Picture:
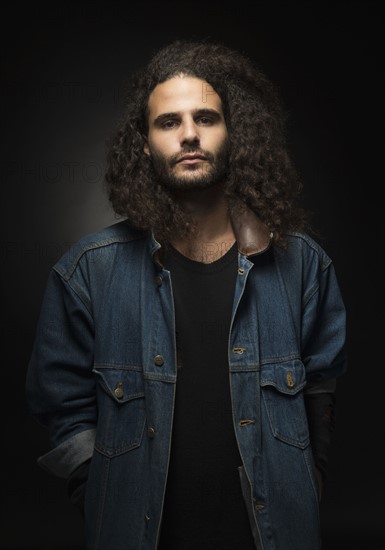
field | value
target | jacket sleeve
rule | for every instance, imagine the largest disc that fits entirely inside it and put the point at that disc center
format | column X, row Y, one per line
column 323, row 328
column 324, row 357
column 60, row 387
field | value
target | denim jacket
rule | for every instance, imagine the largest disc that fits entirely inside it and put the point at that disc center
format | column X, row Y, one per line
column 102, row 378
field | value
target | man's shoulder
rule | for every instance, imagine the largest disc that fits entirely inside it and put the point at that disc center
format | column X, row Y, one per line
column 99, row 242
column 300, row 244
column 114, row 233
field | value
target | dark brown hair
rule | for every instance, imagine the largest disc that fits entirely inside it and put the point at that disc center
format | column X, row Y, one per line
column 260, row 174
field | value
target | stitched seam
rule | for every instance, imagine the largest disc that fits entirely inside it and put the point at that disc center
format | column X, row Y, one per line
column 76, row 294
column 118, row 366
column 67, row 274
column 310, row 293
column 272, row 359
column 280, row 388
column 314, row 247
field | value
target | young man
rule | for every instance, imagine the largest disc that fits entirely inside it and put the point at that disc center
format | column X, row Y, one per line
column 186, row 357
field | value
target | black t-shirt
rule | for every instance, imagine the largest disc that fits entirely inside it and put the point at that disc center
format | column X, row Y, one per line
column 204, row 508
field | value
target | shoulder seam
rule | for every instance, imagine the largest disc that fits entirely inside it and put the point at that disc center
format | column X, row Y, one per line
column 93, row 245
column 314, row 246
column 68, row 283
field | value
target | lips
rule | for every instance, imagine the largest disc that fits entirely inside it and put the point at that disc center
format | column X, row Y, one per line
column 192, row 157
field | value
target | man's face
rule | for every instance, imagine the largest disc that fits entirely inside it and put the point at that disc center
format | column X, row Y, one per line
column 187, row 137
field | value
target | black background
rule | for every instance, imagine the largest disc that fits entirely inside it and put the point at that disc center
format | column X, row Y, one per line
column 63, row 76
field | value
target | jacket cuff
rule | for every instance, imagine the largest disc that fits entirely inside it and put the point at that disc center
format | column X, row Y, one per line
column 66, row 457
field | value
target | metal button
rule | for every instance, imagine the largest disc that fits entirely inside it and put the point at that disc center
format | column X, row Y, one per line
column 159, row 280
column 239, row 350
column 241, row 271
column 146, row 517
column 159, row 360
column 151, row 433
column 290, row 380
column 246, row 422
column 259, row 506
column 118, row 391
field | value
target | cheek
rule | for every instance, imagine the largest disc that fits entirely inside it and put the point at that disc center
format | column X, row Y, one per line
column 217, row 135
column 160, row 145
column 221, row 139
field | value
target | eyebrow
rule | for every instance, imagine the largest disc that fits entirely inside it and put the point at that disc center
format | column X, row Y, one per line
column 165, row 116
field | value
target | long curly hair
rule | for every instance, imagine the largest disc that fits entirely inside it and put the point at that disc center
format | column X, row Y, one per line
column 260, row 171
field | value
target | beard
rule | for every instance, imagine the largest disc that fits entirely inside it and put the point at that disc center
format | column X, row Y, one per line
column 194, row 176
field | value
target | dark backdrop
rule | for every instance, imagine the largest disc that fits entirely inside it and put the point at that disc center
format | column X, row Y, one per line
column 64, row 70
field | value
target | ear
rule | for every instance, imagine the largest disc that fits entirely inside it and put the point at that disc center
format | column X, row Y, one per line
column 146, row 149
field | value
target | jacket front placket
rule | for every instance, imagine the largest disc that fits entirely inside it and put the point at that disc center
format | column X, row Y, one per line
column 159, row 372
column 262, row 332
column 244, row 372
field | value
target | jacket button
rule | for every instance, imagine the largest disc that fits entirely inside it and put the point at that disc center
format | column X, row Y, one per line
column 118, row 391
column 159, row 280
column 290, row 380
column 259, row 506
column 239, row 350
column 151, row 433
column 241, row 271
column 159, row 360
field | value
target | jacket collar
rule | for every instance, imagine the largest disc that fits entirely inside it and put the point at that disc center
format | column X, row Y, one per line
column 252, row 235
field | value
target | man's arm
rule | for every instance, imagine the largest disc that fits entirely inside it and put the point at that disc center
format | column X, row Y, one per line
column 76, row 485
column 60, row 387
column 320, row 402
column 324, row 357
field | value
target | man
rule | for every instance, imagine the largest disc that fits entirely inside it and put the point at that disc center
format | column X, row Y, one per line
column 186, row 357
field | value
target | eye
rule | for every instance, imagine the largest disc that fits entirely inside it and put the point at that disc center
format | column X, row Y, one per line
column 206, row 121
column 169, row 124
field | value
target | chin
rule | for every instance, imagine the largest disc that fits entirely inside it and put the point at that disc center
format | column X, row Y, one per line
column 188, row 185
column 190, row 180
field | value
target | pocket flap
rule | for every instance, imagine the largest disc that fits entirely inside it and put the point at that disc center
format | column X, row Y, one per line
column 281, row 391
column 287, row 377
column 121, row 383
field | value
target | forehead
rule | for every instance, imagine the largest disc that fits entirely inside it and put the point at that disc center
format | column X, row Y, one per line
column 182, row 94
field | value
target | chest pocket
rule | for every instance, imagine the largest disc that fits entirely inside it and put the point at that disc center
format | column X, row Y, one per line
column 282, row 385
column 121, row 409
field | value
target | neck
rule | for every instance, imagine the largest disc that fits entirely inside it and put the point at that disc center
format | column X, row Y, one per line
column 209, row 210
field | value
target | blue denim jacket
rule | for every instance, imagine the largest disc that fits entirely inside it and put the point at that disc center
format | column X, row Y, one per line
column 102, row 378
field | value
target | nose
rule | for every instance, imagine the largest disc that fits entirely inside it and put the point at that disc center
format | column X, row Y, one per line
column 189, row 132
